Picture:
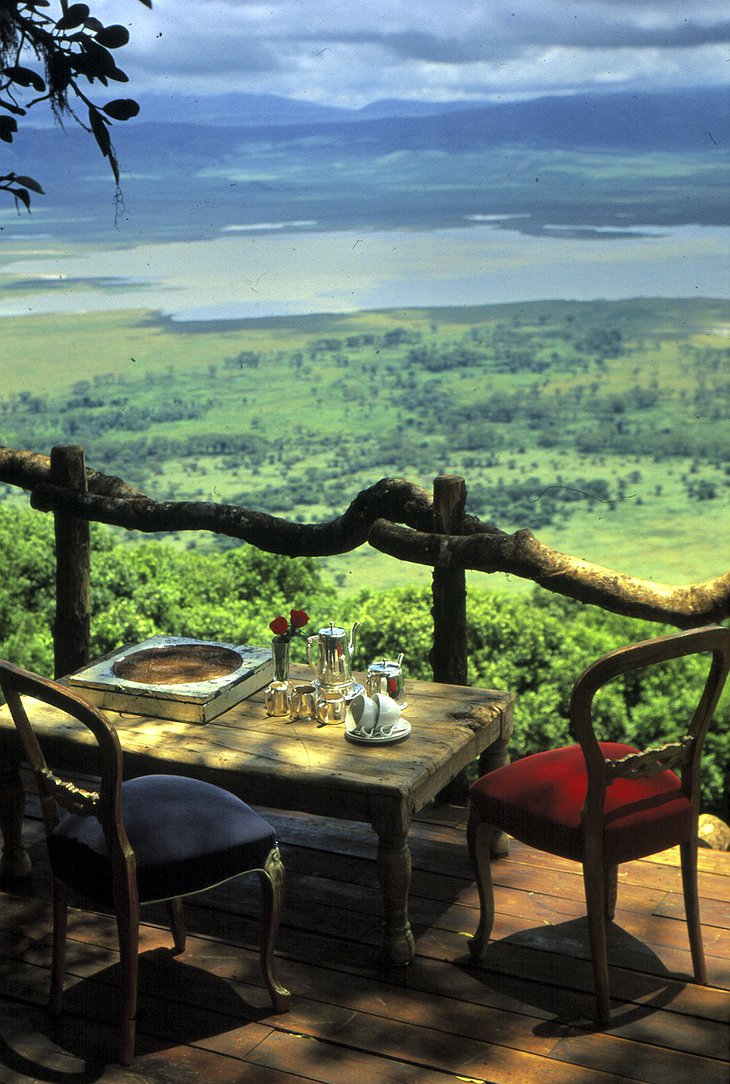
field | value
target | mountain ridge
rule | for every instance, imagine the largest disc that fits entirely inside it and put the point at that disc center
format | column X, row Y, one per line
column 453, row 162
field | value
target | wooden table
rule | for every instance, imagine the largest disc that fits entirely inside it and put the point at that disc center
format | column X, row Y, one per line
column 298, row 766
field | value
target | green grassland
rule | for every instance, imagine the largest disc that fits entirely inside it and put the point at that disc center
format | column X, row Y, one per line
column 600, row 425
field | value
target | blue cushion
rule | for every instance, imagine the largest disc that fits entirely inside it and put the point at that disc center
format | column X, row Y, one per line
column 187, row 835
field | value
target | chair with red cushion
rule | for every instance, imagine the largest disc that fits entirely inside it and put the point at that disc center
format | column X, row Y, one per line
column 603, row 803
column 156, row 838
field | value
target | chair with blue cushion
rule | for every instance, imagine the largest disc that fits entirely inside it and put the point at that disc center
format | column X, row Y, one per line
column 604, row 803
column 151, row 839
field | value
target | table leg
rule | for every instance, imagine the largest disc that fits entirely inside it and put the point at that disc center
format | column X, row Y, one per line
column 494, row 756
column 394, row 874
column 15, row 861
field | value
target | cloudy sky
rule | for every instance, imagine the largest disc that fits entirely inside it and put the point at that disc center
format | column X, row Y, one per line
column 351, row 52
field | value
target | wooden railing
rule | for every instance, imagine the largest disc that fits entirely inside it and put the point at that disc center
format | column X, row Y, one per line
column 394, row 516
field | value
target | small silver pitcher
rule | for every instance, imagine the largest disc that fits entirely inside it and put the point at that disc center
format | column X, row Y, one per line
column 276, row 698
column 387, row 677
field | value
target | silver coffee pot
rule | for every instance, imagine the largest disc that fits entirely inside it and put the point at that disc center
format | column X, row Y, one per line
column 329, row 654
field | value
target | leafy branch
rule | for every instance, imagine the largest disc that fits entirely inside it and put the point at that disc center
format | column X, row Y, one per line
column 56, row 54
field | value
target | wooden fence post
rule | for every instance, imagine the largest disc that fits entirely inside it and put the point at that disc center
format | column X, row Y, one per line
column 71, row 627
column 448, row 655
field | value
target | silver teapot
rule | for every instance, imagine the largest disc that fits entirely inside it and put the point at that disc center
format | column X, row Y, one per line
column 329, row 654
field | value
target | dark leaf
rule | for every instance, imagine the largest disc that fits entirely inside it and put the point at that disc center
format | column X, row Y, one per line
column 113, row 37
column 101, row 135
column 121, row 108
column 99, row 128
column 28, row 182
column 22, row 195
column 98, row 61
column 118, row 75
column 25, row 77
column 8, row 125
column 75, row 16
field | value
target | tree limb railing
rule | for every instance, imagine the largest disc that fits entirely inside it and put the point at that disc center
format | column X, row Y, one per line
column 29, row 469
column 397, row 518
column 391, row 498
column 522, row 554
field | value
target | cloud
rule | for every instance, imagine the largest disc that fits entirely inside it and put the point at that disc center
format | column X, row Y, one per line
column 337, row 52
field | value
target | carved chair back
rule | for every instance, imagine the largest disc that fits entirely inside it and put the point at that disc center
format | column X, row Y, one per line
column 682, row 755
column 53, row 791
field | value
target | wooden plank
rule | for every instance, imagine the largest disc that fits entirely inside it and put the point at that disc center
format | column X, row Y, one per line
column 571, row 940
column 716, row 862
column 637, row 1061
column 31, row 1054
column 712, row 912
column 331, row 1063
column 494, row 1066
column 659, row 876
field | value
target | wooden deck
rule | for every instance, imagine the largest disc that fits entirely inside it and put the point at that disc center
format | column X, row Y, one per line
column 205, row 1016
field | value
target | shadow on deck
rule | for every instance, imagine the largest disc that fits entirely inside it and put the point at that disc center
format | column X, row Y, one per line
column 205, row 1016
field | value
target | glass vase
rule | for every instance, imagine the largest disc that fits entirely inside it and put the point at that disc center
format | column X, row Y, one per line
column 280, row 655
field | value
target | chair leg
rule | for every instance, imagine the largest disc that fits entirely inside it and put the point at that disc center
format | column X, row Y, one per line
column 688, row 854
column 127, row 913
column 594, row 881
column 272, row 885
column 58, row 960
column 478, row 838
column 610, row 892
column 176, row 922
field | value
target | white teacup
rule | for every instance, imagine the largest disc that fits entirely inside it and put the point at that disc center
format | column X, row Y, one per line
column 388, row 714
column 374, row 716
column 363, row 711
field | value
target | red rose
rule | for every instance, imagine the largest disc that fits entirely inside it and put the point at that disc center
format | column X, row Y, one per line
column 299, row 619
column 279, row 625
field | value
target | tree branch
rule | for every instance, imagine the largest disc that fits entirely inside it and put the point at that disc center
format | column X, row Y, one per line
column 394, row 516
column 394, row 498
column 522, row 554
column 28, row 469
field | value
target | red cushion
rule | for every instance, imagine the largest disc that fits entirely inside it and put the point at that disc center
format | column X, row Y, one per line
column 539, row 799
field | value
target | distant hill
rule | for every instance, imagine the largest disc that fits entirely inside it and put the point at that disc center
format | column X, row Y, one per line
column 200, row 165
column 271, row 110
column 679, row 120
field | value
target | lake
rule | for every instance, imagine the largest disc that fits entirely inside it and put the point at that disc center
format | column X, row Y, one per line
column 270, row 269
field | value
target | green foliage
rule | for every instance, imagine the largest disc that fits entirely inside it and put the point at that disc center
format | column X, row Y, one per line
column 27, row 592
column 140, row 590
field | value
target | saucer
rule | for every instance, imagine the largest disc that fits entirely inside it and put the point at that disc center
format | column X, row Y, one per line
column 400, row 731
